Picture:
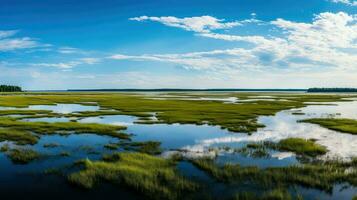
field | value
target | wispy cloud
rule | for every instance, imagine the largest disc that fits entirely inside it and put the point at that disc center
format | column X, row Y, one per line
column 10, row 43
column 202, row 24
column 347, row 2
column 67, row 50
column 69, row 65
column 5, row 34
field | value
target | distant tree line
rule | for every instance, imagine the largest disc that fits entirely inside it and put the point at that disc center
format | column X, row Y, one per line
column 332, row 90
column 10, row 88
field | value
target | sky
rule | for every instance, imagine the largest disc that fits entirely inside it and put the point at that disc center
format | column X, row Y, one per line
column 87, row 44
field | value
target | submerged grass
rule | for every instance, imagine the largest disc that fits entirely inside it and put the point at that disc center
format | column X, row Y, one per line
column 51, row 145
column 155, row 177
column 112, row 146
column 341, row 125
column 149, row 147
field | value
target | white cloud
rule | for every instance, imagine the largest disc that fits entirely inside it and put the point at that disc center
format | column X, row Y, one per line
column 61, row 65
column 251, row 39
column 69, row 65
column 10, row 43
column 5, row 34
column 67, row 50
column 329, row 41
column 348, row 2
column 202, row 24
column 90, row 61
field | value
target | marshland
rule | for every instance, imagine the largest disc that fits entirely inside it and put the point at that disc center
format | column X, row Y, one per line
column 178, row 145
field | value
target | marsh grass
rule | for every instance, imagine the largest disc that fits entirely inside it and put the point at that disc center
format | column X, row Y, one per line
column 298, row 113
column 149, row 147
column 155, row 177
column 25, row 112
column 301, row 147
column 51, row 145
column 275, row 194
column 19, row 137
column 112, row 146
column 321, row 175
column 236, row 117
column 340, row 125
column 46, row 128
column 256, row 150
column 4, row 148
column 65, row 154
column 22, row 155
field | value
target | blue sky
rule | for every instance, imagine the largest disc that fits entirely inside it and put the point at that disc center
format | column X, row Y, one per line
column 67, row 44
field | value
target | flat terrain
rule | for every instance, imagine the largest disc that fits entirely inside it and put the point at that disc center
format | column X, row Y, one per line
column 179, row 145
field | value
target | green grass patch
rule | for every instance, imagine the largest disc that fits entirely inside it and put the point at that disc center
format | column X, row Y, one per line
column 46, row 128
column 22, row 155
column 155, row 177
column 323, row 175
column 24, row 112
column 340, row 125
column 19, row 137
column 301, row 147
column 276, row 194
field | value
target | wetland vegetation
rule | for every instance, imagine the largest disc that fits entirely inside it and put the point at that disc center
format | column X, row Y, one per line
column 150, row 167
column 341, row 125
column 301, row 146
column 155, row 177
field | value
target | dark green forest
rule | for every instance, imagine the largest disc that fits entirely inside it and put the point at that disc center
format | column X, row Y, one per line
column 332, row 90
column 10, row 88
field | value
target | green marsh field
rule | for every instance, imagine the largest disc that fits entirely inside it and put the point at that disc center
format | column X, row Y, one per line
column 178, row 145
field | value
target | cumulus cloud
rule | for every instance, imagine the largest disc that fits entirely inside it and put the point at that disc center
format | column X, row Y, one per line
column 10, row 43
column 328, row 42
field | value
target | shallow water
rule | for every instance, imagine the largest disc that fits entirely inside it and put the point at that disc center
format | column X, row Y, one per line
column 58, row 108
column 121, row 120
column 64, row 108
column 193, row 139
column 284, row 125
